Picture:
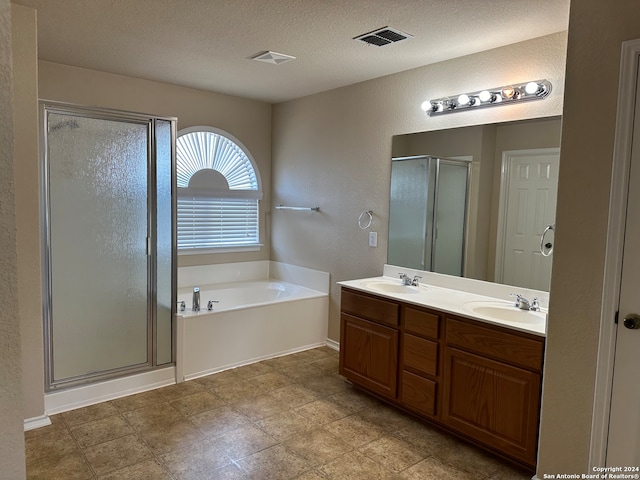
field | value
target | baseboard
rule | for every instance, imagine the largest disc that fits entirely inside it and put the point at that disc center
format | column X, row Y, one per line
column 36, row 422
column 65, row 400
column 333, row 344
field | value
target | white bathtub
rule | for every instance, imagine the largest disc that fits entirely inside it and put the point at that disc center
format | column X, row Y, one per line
column 251, row 321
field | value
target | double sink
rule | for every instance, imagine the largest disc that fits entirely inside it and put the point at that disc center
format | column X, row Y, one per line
column 477, row 306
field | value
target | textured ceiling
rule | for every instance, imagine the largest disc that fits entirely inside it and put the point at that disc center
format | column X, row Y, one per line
column 207, row 44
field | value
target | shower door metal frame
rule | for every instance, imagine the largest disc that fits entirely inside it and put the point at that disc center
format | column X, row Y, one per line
column 63, row 108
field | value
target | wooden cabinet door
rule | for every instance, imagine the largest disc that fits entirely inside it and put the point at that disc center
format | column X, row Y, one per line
column 493, row 402
column 369, row 354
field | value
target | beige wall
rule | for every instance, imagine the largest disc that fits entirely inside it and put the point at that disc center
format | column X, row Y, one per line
column 596, row 31
column 247, row 120
column 11, row 436
column 25, row 93
column 333, row 150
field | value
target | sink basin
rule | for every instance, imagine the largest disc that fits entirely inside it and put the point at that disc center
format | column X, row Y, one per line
column 389, row 287
column 505, row 312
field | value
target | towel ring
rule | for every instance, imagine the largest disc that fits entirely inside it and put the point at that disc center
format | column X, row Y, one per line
column 362, row 219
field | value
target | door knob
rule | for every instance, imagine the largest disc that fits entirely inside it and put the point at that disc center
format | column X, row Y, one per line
column 632, row 321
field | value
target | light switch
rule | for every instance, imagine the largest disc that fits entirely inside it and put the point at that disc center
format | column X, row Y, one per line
column 373, row 239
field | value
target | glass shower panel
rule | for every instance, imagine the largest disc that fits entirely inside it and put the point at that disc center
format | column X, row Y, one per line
column 99, row 224
column 164, row 229
column 450, row 217
column 408, row 212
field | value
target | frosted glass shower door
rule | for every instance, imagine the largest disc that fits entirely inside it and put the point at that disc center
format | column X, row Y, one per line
column 99, row 223
column 450, row 217
column 409, row 212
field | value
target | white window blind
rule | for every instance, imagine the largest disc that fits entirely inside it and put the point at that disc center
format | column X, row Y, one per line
column 217, row 222
column 220, row 209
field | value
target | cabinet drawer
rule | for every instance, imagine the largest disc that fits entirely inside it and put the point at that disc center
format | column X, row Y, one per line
column 371, row 308
column 419, row 393
column 420, row 354
column 497, row 344
column 421, row 323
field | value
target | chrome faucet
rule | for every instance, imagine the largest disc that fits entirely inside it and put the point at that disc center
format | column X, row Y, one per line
column 195, row 304
column 524, row 304
column 210, row 304
column 406, row 280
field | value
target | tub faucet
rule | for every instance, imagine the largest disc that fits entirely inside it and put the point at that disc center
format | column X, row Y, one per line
column 195, row 305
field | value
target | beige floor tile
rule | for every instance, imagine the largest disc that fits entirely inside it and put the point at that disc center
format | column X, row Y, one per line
column 355, row 465
column 427, row 438
column 323, row 411
column 470, row 459
column 147, row 470
column 257, row 408
column 253, row 370
column 270, row 381
column 178, row 390
column 197, row 403
column 243, row 442
column 88, row 414
column 507, row 472
column 317, row 446
column 311, row 475
column 327, row 365
column 392, row 453
column 230, row 472
column 139, row 400
column 294, row 395
column 195, row 463
column 274, row 463
column 57, row 423
column 174, row 435
column 217, row 379
column 353, row 400
column 69, row 466
column 219, row 421
column 327, row 384
column 328, row 351
column 100, row 431
column 354, row 430
column 51, row 445
column 149, row 418
column 282, row 362
column 309, row 355
column 285, row 424
column 386, row 417
column 238, row 390
column 117, row 454
column 301, row 372
column 432, row 468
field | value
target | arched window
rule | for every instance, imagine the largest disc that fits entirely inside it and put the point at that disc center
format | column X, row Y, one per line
column 218, row 192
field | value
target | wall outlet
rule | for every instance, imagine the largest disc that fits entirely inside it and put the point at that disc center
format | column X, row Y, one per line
column 373, row 239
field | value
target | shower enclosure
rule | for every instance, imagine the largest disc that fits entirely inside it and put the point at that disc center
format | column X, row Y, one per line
column 109, row 255
column 428, row 213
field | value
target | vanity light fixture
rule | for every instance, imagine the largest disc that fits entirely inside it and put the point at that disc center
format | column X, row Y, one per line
column 519, row 92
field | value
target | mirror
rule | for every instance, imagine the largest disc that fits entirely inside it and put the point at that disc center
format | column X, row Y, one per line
column 475, row 201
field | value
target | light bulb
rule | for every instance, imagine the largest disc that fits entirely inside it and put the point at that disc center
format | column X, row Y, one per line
column 485, row 96
column 531, row 88
column 463, row 99
column 426, row 105
column 508, row 92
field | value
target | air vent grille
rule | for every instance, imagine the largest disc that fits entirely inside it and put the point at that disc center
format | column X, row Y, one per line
column 383, row 36
column 272, row 57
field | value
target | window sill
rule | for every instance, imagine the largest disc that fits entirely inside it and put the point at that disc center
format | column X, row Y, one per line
column 229, row 249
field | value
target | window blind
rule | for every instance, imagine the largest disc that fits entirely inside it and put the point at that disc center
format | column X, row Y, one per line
column 210, row 222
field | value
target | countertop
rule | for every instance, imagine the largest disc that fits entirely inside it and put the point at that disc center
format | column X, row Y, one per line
column 456, row 302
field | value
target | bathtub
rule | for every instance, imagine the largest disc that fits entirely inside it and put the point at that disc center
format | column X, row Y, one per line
column 250, row 321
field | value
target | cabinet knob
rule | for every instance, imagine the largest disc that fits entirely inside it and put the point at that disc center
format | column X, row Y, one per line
column 632, row 321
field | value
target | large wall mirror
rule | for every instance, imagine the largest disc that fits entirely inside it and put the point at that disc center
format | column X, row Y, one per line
column 477, row 201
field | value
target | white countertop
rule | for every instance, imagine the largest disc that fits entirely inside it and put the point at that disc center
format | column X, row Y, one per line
column 456, row 302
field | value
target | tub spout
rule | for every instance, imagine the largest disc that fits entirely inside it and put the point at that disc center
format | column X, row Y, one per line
column 195, row 305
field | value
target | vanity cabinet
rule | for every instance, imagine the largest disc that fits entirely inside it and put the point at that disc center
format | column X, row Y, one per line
column 369, row 334
column 478, row 380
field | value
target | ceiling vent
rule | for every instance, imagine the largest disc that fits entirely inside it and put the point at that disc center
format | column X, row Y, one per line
column 383, row 36
column 273, row 57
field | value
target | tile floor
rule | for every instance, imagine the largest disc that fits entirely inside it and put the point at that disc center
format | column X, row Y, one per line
column 291, row 417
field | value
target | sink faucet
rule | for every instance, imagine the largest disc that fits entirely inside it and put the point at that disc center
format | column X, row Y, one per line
column 524, row 304
column 195, row 304
column 406, row 280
